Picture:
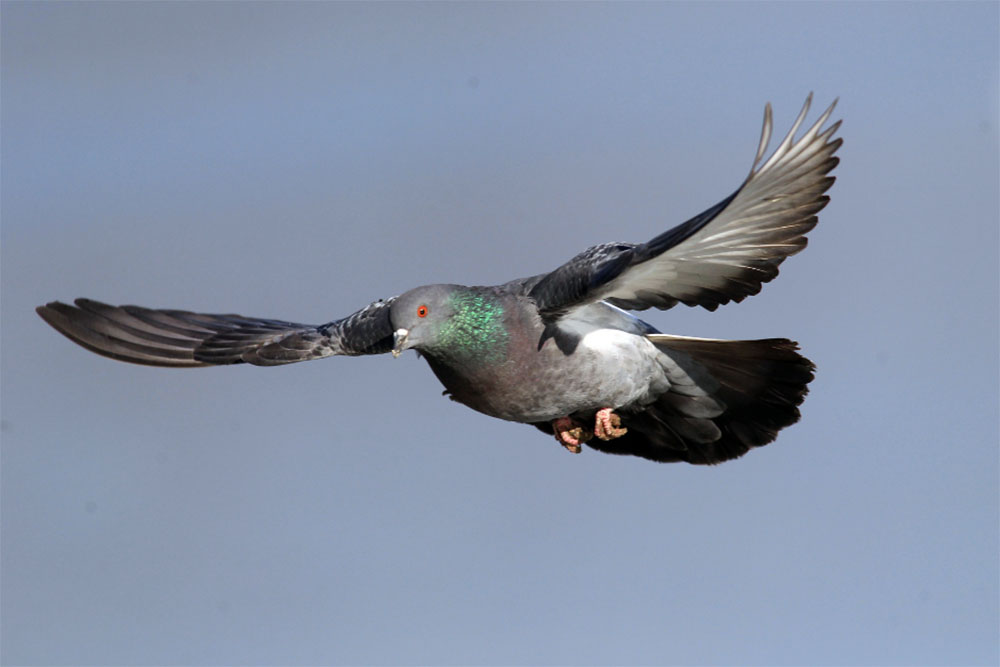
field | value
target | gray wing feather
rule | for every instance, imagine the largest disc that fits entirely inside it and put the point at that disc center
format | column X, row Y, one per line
column 181, row 339
column 725, row 253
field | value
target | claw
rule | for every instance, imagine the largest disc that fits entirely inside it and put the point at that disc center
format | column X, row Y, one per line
column 570, row 434
column 608, row 425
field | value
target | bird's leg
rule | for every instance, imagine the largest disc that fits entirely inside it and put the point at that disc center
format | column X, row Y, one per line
column 608, row 425
column 570, row 434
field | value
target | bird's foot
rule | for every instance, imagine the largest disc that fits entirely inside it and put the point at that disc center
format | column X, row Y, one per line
column 570, row 434
column 608, row 425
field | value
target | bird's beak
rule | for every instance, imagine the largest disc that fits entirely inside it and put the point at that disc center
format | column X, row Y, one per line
column 399, row 341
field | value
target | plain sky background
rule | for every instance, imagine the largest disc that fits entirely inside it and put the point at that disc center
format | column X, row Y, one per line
column 298, row 161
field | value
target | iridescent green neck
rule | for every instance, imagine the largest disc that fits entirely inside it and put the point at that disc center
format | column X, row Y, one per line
column 476, row 329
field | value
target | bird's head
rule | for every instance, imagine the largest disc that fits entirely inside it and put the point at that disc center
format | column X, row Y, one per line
column 449, row 321
column 419, row 315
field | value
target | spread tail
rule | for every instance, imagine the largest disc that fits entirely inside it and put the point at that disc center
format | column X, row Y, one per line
column 736, row 395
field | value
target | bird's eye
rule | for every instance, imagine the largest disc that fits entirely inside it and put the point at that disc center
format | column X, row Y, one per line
column 421, row 311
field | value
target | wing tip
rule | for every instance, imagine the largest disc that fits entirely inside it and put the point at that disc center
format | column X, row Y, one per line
column 765, row 137
column 48, row 313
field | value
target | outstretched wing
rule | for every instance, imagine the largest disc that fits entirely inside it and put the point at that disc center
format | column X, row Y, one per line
column 724, row 254
column 181, row 339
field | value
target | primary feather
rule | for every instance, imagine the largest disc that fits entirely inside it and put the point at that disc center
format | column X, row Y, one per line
column 181, row 339
column 723, row 254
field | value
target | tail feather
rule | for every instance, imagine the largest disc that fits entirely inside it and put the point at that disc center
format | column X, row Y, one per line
column 756, row 386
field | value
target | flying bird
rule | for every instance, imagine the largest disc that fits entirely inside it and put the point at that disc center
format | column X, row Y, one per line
column 559, row 350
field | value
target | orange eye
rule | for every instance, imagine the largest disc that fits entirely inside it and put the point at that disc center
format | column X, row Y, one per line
column 421, row 311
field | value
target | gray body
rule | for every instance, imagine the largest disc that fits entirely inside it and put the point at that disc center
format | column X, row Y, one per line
column 613, row 365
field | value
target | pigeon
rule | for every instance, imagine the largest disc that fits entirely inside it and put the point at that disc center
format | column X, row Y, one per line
column 560, row 350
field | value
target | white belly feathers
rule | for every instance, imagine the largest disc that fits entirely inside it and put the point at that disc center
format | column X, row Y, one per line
column 634, row 373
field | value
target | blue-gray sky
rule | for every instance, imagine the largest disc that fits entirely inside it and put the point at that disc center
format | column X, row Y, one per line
column 299, row 161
